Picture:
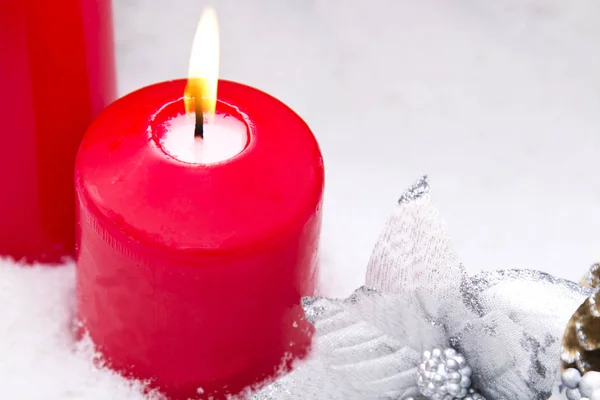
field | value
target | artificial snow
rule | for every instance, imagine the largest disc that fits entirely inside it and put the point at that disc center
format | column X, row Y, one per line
column 497, row 100
column 39, row 356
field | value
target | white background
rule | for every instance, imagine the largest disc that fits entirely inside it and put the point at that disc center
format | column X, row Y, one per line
column 496, row 100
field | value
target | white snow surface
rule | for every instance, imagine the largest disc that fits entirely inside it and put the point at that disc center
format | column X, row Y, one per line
column 497, row 100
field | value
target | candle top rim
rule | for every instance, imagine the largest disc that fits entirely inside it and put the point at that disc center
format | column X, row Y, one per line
column 134, row 188
column 159, row 124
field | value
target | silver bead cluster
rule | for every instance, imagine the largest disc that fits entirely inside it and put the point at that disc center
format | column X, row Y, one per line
column 445, row 375
column 577, row 387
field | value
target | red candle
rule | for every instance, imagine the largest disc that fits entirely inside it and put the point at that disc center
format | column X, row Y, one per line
column 56, row 74
column 191, row 274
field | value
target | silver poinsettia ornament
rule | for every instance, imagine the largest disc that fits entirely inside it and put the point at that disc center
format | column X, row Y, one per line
column 497, row 334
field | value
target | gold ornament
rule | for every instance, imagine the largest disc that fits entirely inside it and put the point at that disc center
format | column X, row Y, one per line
column 581, row 341
column 592, row 279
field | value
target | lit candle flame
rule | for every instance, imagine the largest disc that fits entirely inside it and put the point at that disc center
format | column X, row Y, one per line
column 203, row 73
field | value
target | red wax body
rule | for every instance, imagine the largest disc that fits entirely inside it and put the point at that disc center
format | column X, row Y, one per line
column 56, row 74
column 191, row 275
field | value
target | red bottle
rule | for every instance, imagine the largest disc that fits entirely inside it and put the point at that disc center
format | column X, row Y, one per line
column 56, row 73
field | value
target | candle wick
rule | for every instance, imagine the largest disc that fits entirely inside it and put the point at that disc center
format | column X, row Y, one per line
column 199, row 129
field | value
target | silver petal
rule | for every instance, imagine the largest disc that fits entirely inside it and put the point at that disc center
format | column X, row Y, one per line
column 413, row 257
column 515, row 348
column 530, row 298
column 361, row 350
